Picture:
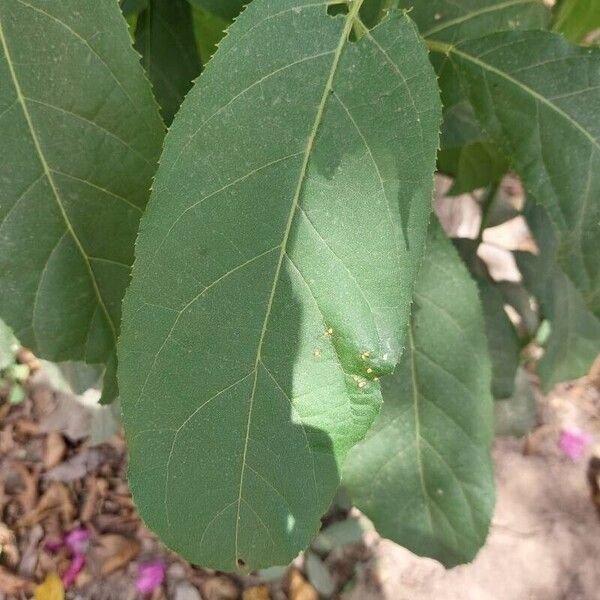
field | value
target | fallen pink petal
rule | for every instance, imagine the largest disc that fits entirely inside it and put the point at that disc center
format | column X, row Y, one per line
column 150, row 576
column 78, row 540
column 574, row 442
column 74, row 569
column 53, row 546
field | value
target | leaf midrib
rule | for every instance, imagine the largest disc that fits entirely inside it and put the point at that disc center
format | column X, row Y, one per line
column 351, row 16
column 48, row 173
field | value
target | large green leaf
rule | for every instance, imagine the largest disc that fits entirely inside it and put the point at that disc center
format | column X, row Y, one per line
column 273, row 277
column 225, row 9
column 423, row 474
column 576, row 18
column 574, row 340
column 539, row 97
column 164, row 36
column 454, row 22
column 467, row 154
column 80, row 139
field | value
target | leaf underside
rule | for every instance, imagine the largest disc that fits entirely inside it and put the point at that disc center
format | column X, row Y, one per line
column 423, row 474
column 273, row 275
column 536, row 95
column 80, row 139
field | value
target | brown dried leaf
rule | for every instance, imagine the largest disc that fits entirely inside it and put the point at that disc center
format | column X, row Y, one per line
column 118, row 550
column 27, row 497
column 300, row 589
column 220, row 588
column 12, row 585
column 57, row 498
column 55, row 449
column 8, row 544
column 84, row 462
column 259, row 592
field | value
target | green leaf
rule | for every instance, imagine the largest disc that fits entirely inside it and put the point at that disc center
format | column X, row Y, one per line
column 576, row 18
column 225, row 9
column 372, row 11
column 478, row 161
column 503, row 341
column 574, row 340
column 423, row 475
column 209, row 30
column 164, row 36
column 273, row 277
column 455, row 22
column 472, row 166
column 81, row 136
column 536, row 95
column 133, row 7
column 8, row 346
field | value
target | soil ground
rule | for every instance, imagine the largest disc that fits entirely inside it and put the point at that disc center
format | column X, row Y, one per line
column 544, row 541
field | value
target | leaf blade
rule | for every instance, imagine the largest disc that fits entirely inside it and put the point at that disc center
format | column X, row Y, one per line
column 423, row 475
column 164, row 36
column 73, row 143
column 541, row 80
column 293, row 391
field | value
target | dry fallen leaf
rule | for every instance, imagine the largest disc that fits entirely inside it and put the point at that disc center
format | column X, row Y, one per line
column 220, row 588
column 12, row 585
column 82, row 463
column 51, row 589
column 55, row 449
column 300, row 589
column 27, row 497
column 57, row 498
column 119, row 552
column 8, row 545
column 259, row 592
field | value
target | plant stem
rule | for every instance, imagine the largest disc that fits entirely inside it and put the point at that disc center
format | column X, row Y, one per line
column 441, row 47
column 487, row 203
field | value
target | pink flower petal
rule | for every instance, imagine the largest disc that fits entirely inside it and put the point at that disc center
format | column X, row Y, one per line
column 574, row 442
column 74, row 569
column 53, row 546
column 150, row 576
column 78, row 540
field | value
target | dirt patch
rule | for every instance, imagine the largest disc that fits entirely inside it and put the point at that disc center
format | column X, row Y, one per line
column 544, row 541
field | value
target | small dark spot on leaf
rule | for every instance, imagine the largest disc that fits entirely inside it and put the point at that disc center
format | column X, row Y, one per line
column 240, row 563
